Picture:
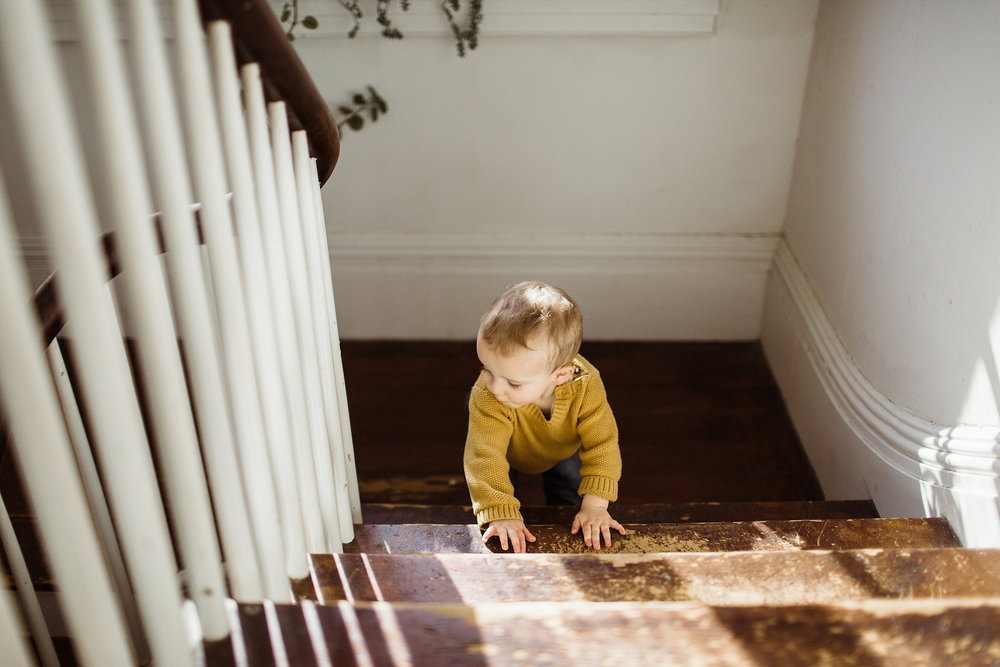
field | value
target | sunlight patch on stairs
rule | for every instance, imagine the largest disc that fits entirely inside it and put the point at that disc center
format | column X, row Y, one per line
column 766, row 591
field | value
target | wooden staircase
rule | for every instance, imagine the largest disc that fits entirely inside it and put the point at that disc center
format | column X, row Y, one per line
column 692, row 583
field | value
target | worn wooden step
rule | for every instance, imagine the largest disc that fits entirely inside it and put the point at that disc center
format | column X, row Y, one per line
column 647, row 513
column 24, row 523
column 663, row 537
column 601, row 633
column 775, row 577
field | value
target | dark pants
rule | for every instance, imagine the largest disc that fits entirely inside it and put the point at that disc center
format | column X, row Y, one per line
column 561, row 482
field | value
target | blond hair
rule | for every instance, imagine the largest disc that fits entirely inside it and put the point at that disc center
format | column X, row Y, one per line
column 530, row 310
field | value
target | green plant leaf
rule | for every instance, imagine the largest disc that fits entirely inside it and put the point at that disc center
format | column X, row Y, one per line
column 359, row 99
column 286, row 13
column 378, row 101
column 310, row 23
column 355, row 123
column 374, row 114
column 290, row 35
column 346, row 111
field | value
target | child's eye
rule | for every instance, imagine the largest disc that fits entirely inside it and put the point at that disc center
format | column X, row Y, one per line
column 513, row 385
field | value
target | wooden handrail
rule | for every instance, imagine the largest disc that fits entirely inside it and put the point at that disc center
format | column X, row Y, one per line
column 260, row 38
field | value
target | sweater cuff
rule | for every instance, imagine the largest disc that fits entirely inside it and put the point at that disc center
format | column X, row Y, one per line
column 498, row 513
column 605, row 487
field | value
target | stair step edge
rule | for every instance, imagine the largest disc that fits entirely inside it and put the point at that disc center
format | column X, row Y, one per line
column 636, row 513
column 787, row 577
column 701, row 537
column 911, row 632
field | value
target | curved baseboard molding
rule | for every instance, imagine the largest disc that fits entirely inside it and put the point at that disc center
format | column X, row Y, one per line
column 955, row 456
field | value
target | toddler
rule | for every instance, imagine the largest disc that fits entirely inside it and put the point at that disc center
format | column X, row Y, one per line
column 539, row 407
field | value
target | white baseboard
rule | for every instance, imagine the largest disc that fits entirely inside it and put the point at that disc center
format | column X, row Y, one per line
column 630, row 286
column 859, row 441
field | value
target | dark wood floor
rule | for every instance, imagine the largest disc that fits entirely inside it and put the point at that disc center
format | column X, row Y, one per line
column 698, row 422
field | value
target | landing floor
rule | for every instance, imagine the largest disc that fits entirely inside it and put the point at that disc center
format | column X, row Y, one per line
column 697, row 421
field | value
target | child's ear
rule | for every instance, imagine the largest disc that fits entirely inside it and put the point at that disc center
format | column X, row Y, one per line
column 563, row 374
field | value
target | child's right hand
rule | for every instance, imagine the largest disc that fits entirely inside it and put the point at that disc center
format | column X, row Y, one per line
column 512, row 531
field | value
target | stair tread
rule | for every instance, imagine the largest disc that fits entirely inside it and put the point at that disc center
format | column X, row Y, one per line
column 776, row 577
column 628, row 513
column 664, row 537
column 521, row 633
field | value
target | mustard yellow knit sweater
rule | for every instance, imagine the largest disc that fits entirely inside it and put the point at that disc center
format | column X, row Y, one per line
column 501, row 438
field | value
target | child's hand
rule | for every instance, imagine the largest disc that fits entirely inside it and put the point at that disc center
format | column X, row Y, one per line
column 510, row 530
column 595, row 521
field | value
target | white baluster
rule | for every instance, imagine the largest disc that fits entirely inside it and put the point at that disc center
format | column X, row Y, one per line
column 331, row 471
column 98, row 503
column 55, row 168
column 170, row 181
column 295, row 258
column 206, row 162
column 13, row 639
column 283, row 457
column 347, row 439
column 26, row 591
column 273, row 394
column 325, row 474
column 129, row 206
column 46, row 463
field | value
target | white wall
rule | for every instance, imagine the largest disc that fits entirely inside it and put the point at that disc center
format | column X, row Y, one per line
column 646, row 175
column 882, row 323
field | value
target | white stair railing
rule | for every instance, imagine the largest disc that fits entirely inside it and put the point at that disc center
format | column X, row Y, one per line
column 235, row 342
column 45, row 455
column 318, row 256
column 169, row 176
column 343, row 447
column 288, row 207
column 294, row 428
column 260, row 317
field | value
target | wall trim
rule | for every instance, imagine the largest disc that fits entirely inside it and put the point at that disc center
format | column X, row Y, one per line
column 618, row 252
column 639, row 286
column 62, row 19
column 920, row 448
column 500, row 17
column 623, row 251
column 633, row 286
column 529, row 17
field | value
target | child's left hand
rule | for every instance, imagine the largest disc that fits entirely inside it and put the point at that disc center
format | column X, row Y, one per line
column 595, row 521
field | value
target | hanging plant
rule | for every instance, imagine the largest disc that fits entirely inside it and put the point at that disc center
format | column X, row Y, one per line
column 389, row 31
column 371, row 106
column 466, row 37
column 290, row 15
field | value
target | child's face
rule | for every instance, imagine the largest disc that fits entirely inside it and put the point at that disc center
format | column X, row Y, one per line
column 519, row 379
